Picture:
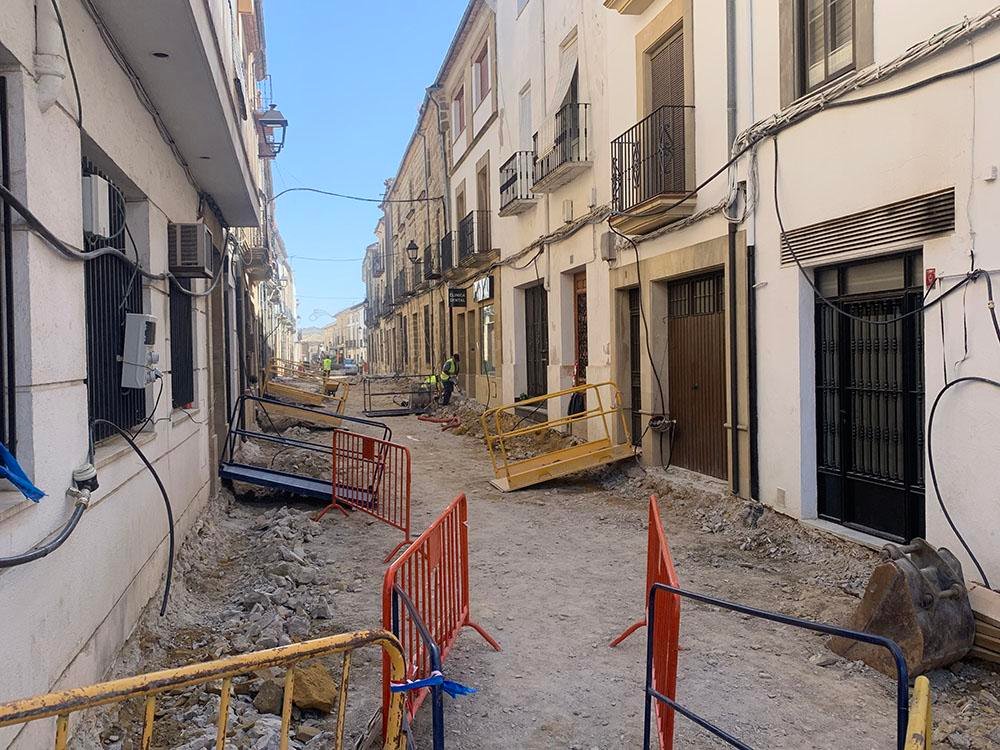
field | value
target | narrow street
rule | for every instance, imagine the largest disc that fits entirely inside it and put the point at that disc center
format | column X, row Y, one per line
column 556, row 573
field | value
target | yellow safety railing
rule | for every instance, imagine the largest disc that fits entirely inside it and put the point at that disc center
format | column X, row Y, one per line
column 920, row 727
column 148, row 686
column 602, row 405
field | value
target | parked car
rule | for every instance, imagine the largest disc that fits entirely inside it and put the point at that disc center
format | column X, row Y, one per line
column 350, row 367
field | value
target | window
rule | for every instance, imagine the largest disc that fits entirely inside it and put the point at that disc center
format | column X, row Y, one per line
column 524, row 110
column 481, row 75
column 488, row 341
column 820, row 40
column 181, row 347
column 112, row 290
column 458, row 113
column 827, row 40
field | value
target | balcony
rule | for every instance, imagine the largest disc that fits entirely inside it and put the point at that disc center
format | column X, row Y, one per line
column 516, row 178
column 474, row 241
column 649, row 172
column 566, row 140
column 432, row 264
column 257, row 260
column 447, row 253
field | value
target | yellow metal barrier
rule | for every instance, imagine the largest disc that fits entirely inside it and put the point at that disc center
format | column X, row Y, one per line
column 920, row 728
column 148, row 686
column 604, row 409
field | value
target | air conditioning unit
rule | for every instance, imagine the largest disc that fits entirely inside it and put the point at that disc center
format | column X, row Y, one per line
column 189, row 250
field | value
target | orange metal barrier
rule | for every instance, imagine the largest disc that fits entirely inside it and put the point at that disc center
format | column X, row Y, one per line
column 605, row 410
column 434, row 574
column 660, row 569
column 373, row 476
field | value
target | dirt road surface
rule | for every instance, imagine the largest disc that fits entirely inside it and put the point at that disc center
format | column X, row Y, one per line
column 556, row 572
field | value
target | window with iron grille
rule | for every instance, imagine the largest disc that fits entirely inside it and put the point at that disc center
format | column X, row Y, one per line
column 8, row 432
column 181, row 347
column 113, row 289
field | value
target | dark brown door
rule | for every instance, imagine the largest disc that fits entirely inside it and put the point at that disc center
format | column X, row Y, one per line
column 696, row 346
column 536, row 337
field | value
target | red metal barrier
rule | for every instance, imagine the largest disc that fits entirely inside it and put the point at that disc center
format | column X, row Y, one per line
column 434, row 574
column 660, row 569
column 372, row 476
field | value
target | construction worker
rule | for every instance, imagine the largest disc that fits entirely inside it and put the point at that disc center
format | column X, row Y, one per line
column 327, row 364
column 448, row 374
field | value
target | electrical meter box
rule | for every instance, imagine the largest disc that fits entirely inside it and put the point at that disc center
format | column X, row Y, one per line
column 96, row 206
column 138, row 357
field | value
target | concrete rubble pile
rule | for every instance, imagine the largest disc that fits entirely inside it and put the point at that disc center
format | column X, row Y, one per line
column 283, row 597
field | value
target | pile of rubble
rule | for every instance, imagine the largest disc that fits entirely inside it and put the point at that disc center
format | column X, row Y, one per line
column 269, row 590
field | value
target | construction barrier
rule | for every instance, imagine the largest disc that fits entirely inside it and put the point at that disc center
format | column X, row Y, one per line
column 264, row 411
column 920, row 728
column 660, row 569
column 397, row 395
column 301, row 372
column 659, row 629
column 373, row 476
column 502, row 426
column 148, row 686
column 433, row 574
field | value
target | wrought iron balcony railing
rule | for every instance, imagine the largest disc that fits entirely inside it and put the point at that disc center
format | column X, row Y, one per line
column 648, row 160
column 432, row 264
column 517, row 175
column 565, row 140
column 474, row 239
column 447, row 254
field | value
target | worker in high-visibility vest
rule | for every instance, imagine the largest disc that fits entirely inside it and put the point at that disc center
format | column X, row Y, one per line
column 327, row 364
column 448, row 374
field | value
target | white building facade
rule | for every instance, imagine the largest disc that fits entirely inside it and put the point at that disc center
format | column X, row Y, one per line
column 165, row 116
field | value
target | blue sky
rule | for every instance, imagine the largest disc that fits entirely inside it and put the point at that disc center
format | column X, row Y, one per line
column 350, row 78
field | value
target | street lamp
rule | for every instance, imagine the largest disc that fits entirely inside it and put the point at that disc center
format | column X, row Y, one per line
column 412, row 251
column 269, row 122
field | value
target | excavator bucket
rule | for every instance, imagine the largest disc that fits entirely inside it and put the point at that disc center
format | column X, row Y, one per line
column 917, row 597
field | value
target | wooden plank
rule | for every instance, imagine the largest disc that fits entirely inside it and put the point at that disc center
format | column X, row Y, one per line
column 985, row 628
column 982, row 653
column 987, row 642
column 985, row 603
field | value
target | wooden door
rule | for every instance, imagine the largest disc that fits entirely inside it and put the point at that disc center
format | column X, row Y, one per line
column 696, row 352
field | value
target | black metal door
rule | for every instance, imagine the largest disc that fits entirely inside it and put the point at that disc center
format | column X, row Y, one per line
column 635, row 366
column 536, row 337
column 870, row 399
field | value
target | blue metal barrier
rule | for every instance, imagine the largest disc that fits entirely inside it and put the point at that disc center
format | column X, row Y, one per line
column 902, row 675
column 434, row 654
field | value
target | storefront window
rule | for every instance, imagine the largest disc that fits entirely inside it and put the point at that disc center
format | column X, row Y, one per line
column 487, row 344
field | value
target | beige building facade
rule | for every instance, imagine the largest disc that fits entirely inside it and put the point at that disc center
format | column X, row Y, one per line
column 634, row 221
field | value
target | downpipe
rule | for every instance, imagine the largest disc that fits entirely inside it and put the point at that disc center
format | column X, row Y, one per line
column 50, row 62
column 734, row 389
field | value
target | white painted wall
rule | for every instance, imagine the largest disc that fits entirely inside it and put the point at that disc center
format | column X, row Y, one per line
column 846, row 160
column 66, row 615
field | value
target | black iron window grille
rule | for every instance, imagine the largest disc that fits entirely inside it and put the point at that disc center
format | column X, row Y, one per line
column 8, row 422
column 181, row 347
column 113, row 289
